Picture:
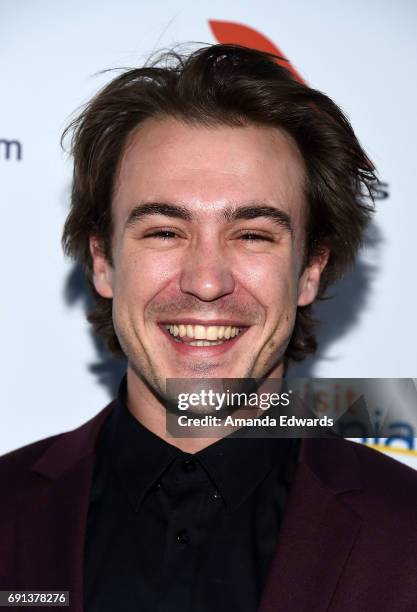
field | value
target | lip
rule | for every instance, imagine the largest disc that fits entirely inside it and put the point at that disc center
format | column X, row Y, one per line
column 210, row 351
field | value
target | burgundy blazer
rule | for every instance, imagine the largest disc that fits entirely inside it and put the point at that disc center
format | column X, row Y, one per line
column 348, row 541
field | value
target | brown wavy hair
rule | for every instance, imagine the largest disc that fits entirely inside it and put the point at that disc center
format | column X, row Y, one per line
column 222, row 85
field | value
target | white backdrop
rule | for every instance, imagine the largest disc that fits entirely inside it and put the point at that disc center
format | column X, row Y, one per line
column 363, row 54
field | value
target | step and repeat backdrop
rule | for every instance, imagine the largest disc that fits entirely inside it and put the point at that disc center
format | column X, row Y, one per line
column 55, row 55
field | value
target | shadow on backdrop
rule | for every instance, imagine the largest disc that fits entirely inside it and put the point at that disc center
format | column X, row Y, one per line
column 336, row 315
column 107, row 369
column 347, row 300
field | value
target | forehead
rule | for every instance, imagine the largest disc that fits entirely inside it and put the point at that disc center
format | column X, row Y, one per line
column 208, row 168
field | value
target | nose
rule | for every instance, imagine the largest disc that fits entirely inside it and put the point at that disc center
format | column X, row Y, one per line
column 206, row 273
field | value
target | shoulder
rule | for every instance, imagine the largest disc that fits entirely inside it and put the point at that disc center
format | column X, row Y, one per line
column 369, row 481
column 385, row 498
column 20, row 460
column 17, row 480
column 386, row 479
column 21, row 469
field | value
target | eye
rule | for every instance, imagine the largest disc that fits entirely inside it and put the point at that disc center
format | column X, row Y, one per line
column 255, row 237
column 162, row 234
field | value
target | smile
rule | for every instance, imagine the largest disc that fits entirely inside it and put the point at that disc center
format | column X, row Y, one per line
column 202, row 335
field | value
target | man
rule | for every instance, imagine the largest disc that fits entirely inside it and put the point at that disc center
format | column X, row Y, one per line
column 214, row 200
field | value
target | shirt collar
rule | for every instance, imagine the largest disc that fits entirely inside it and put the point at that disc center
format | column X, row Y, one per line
column 139, row 456
column 235, row 465
column 238, row 465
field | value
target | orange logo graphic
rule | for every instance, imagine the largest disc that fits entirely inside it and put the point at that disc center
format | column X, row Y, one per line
column 228, row 32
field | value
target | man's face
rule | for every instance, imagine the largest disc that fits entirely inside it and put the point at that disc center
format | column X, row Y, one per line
column 209, row 226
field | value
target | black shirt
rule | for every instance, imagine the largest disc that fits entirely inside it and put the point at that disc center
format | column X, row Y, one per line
column 169, row 531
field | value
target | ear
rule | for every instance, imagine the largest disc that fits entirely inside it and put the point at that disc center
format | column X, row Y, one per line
column 102, row 270
column 309, row 282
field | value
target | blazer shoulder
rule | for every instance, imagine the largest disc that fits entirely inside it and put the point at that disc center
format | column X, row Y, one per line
column 22, row 458
column 390, row 483
column 16, row 478
column 375, row 462
column 16, row 466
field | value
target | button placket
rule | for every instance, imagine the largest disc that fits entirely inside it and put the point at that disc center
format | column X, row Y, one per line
column 183, row 537
column 189, row 466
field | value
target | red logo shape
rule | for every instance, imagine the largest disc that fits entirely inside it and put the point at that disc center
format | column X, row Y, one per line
column 228, row 32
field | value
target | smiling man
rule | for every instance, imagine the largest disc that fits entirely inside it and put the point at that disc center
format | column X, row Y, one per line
column 214, row 199
column 207, row 261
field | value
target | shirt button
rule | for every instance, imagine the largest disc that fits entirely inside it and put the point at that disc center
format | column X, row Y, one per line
column 216, row 495
column 183, row 537
column 189, row 466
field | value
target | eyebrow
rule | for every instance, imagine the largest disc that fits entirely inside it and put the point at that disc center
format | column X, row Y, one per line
column 157, row 208
column 254, row 211
column 230, row 214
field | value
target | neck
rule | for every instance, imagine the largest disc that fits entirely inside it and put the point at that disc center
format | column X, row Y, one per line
column 145, row 406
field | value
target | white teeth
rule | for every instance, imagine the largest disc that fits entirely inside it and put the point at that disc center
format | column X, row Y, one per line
column 203, row 343
column 211, row 332
column 199, row 333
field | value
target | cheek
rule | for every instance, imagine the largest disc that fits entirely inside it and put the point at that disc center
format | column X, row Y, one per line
column 140, row 277
column 272, row 281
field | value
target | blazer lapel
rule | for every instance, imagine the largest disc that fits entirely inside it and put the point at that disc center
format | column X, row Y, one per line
column 52, row 521
column 318, row 531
